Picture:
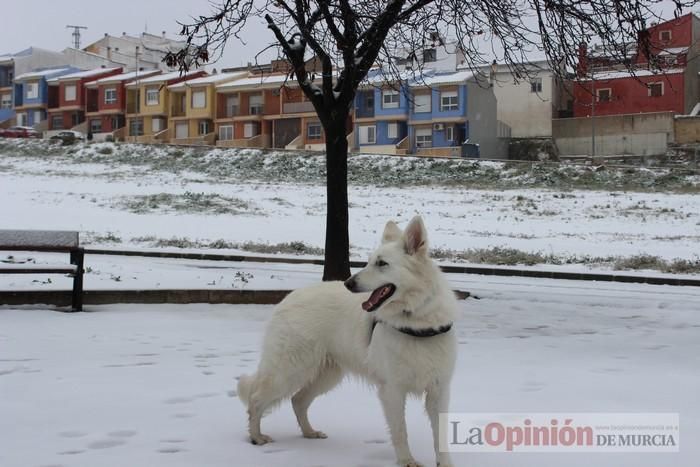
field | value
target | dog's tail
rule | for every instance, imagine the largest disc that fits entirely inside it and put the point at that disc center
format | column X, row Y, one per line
column 244, row 385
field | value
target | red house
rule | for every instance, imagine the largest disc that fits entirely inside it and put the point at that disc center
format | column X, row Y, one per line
column 608, row 88
column 68, row 110
column 106, row 100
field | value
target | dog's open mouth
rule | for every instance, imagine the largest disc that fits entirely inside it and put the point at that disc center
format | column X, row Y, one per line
column 378, row 297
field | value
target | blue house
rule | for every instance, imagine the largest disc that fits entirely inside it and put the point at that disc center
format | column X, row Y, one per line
column 381, row 116
column 7, row 68
column 430, row 114
column 32, row 94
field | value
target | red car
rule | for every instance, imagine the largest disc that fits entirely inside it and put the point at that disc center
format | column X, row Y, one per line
column 19, row 132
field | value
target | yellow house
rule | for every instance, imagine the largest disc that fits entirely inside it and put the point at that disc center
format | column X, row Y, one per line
column 148, row 106
column 193, row 105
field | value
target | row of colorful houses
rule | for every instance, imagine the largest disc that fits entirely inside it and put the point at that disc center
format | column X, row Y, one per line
column 439, row 112
column 434, row 113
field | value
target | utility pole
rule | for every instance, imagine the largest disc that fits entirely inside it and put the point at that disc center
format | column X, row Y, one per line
column 76, row 35
column 593, row 98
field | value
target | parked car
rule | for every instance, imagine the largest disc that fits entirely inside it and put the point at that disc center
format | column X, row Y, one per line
column 19, row 132
column 68, row 137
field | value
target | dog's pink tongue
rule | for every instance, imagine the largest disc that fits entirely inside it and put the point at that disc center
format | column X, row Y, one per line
column 373, row 299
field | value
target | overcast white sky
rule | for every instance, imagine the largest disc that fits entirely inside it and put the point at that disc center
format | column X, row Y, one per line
column 42, row 23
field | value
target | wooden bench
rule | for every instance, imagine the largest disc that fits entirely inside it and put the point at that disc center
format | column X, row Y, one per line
column 47, row 241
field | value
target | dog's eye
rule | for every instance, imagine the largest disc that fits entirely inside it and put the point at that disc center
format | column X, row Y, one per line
column 381, row 263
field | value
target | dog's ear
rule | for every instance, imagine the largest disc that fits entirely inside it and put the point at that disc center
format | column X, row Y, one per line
column 415, row 237
column 391, row 232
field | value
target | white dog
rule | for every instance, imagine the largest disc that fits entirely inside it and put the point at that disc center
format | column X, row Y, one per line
column 403, row 341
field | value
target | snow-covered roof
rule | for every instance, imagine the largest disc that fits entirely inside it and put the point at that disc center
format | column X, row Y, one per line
column 163, row 77
column 674, row 51
column 126, row 76
column 257, row 81
column 84, row 74
column 441, row 78
column 606, row 75
column 205, row 80
column 42, row 73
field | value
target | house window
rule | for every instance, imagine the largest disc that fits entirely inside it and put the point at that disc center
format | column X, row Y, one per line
column 370, row 101
column 536, row 85
column 182, row 130
column 429, row 55
column 424, row 137
column 32, row 90
column 116, row 122
column 110, row 95
column 199, row 99
column 157, row 125
column 256, row 104
column 70, row 92
column 6, row 101
column 656, row 89
column 21, row 119
column 96, row 125
column 204, row 127
column 232, row 106
column 392, row 131
column 421, row 103
column 57, row 122
column 604, row 95
column 37, row 116
column 226, row 133
column 390, row 99
column 449, row 101
column 313, row 131
column 665, row 36
column 450, row 133
column 152, row 96
column 368, row 134
column 250, row 129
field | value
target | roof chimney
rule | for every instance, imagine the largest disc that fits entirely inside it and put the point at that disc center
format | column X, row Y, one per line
column 109, row 53
column 106, row 35
column 163, row 33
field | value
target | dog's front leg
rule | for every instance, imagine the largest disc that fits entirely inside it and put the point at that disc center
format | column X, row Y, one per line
column 437, row 401
column 394, row 405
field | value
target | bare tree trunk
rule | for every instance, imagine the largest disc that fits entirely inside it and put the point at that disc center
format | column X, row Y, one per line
column 337, row 252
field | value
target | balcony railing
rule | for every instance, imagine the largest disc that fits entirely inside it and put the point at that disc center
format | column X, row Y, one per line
column 256, row 110
column 178, row 112
column 132, row 108
column 297, row 107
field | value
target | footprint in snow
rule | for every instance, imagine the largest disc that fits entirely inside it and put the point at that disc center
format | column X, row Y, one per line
column 170, row 450
column 71, row 453
column 106, row 443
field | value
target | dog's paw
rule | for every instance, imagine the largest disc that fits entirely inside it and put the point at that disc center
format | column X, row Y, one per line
column 261, row 439
column 315, row 435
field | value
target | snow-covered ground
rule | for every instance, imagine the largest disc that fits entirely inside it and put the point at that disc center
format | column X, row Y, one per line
column 122, row 205
column 153, row 385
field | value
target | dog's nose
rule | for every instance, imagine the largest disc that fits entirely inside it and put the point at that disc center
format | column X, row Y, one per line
column 350, row 284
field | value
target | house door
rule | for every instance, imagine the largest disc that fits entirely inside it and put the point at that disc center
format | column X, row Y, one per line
column 181, row 130
column 285, row 130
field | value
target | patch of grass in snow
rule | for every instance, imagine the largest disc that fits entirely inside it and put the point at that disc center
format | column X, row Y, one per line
column 293, row 247
column 109, row 237
column 253, row 165
column 189, row 202
column 513, row 257
column 676, row 266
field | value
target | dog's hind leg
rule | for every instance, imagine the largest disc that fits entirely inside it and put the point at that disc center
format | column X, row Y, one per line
column 263, row 395
column 394, row 405
column 328, row 378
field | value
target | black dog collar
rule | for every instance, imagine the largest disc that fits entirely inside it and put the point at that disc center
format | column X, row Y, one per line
column 427, row 332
